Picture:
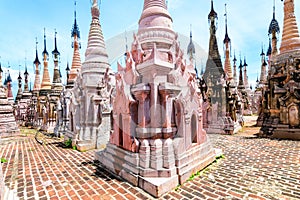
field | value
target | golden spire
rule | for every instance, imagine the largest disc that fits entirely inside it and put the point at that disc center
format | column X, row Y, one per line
column 76, row 62
column 227, row 43
column 46, row 84
column 290, row 35
column 37, row 82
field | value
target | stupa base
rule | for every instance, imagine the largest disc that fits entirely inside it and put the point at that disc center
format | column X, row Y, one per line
column 131, row 167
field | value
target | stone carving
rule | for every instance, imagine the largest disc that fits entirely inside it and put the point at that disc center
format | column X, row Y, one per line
column 281, row 99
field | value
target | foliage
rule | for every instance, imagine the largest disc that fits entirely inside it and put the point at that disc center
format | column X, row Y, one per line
column 3, row 160
column 68, row 143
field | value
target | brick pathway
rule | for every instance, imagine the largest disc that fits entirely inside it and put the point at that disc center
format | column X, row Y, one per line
column 252, row 169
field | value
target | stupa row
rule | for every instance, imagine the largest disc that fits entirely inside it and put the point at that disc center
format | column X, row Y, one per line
column 152, row 116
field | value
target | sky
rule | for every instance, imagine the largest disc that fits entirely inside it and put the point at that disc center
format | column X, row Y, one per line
column 22, row 21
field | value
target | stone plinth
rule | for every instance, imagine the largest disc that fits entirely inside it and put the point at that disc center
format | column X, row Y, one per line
column 165, row 174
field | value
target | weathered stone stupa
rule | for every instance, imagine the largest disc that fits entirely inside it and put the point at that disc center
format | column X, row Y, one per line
column 94, row 128
column 56, row 89
column 158, row 139
column 76, row 61
column 8, row 84
column 261, row 89
column 22, row 99
column 68, row 110
column 8, row 125
column 43, row 97
column 282, row 104
column 220, row 109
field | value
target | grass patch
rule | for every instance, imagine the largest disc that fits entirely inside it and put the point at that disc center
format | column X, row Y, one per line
column 31, row 149
column 203, row 171
column 3, row 160
column 68, row 143
column 27, row 131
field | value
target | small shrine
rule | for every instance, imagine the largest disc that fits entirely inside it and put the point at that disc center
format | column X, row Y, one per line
column 91, row 97
column 158, row 140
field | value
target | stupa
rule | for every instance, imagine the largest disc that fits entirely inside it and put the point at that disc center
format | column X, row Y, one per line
column 92, row 121
column 158, row 140
column 23, row 98
column 8, row 125
column 43, row 96
column 33, row 108
column 56, row 90
column 68, row 110
column 281, row 107
column 220, row 109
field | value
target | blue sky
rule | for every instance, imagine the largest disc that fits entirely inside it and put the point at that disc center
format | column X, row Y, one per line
column 21, row 21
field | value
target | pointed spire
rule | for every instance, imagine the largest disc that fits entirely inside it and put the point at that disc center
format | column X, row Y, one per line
column 67, row 68
column 226, row 39
column 67, row 73
column 234, row 71
column 8, row 77
column 19, row 77
column 76, row 61
column 55, row 52
column 227, row 64
column 75, row 29
column 212, row 13
column 191, row 47
column 46, row 84
column 262, row 51
column 37, row 83
column 246, row 82
column 36, row 61
column 245, row 63
column 214, row 66
column 56, row 83
column 234, row 59
column 8, row 83
column 290, row 36
column 269, row 52
column 45, row 52
column 274, row 26
column 241, row 80
column 19, row 93
column 26, row 74
column 263, row 77
column 96, row 50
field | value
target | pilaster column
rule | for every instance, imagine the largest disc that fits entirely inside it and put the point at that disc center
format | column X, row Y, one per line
column 155, row 110
column 141, row 97
column 166, row 102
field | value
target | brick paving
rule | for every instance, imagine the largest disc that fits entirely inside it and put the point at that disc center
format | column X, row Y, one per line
column 253, row 168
